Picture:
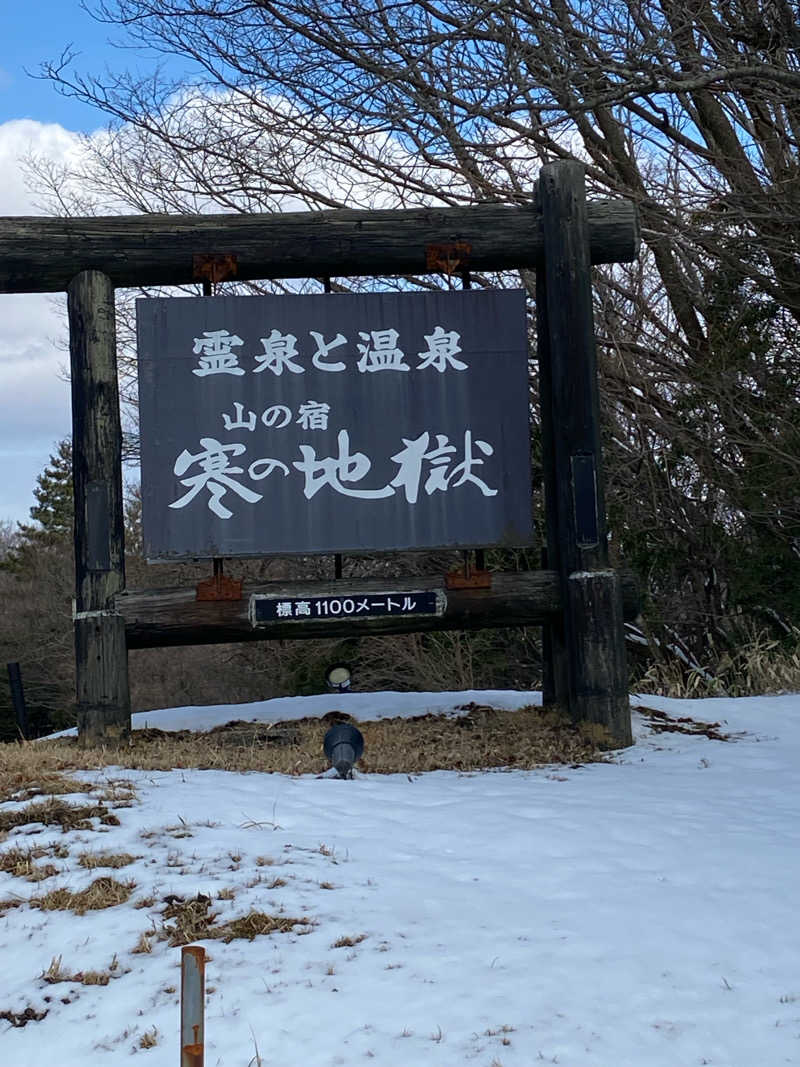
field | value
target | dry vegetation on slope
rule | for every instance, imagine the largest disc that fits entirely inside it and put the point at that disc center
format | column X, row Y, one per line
column 482, row 737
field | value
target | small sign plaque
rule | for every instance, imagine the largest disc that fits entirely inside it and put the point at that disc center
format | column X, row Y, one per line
column 265, row 609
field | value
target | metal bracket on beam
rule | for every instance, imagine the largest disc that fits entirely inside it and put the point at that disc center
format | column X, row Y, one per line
column 468, row 578
column 448, row 258
column 210, row 268
column 220, row 587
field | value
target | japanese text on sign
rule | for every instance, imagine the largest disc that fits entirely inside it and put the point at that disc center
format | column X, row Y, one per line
column 359, row 605
column 302, row 424
column 378, row 352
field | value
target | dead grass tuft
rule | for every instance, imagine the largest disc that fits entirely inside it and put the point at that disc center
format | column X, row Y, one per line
column 755, row 663
column 57, row 973
column 29, row 769
column 56, row 812
column 186, row 921
column 102, row 893
column 191, row 920
column 40, row 874
column 114, row 860
column 257, row 923
column 32, row 781
column 349, row 942
column 22, row 1018
column 659, row 722
column 20, row 862
column 149, row 1038
column 483, row 737
column 144, row 945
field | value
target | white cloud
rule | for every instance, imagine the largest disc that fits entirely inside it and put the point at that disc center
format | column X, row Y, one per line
column 34, row 398
column 25, row 137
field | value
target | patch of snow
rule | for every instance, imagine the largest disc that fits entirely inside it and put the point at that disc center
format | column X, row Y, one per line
column 640, row 912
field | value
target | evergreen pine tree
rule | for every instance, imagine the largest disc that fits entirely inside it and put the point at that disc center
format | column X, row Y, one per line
column 52, row 513
column 54, row 510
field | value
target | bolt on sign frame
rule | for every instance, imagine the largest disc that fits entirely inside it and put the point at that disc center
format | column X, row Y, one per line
column 579, row 599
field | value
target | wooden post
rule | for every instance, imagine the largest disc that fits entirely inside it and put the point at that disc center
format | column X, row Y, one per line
column 101, row 658
column 18, row 698
column 555, row 670
column 593, row 619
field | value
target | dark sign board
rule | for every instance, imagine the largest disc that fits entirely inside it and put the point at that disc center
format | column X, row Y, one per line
column 333, row 423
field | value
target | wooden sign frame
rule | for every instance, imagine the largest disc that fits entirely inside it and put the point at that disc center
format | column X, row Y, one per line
column 579, row 599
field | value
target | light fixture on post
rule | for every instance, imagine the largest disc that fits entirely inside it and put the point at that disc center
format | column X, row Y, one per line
column 343, row 746
column 338, row 677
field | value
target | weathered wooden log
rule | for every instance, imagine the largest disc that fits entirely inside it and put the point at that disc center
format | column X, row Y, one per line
column 101, row 662
column 600, row 673
column 594, row 639
column 555, row 663
column 173, row 616
column 40, row 255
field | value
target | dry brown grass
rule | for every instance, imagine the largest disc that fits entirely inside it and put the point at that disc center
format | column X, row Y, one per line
column 144, row 945
column 102, row 893
column 56, row 972
column 22, row 1018
column 24, row 783
column 258, row 923
column 20, row 862
column 754, row 664
column 149, row 1038
column 483, row 737
column 29, row 769
column 191, row 920
column 57, row 812
column 92, row 860
column 349, row 942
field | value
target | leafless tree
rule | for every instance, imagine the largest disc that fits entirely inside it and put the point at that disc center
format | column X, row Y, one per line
column 689, row 108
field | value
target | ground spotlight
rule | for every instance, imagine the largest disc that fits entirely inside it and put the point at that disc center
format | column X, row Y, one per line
column 337, row 677
column 343, row 746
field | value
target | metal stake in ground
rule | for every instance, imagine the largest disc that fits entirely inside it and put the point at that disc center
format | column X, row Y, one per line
column 18, row 698
column 193, row 989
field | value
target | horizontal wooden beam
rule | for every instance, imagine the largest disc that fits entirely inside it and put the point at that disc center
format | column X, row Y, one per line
column 41, row 255
column 156, row 618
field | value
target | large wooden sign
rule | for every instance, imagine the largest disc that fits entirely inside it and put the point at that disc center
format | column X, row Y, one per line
column 342, row 423
column 302, row 424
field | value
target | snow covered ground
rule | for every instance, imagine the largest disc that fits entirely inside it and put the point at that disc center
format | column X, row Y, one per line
column 642, row 911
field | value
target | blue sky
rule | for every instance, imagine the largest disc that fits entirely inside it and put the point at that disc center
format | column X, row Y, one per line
column 34, row 117
column 39, row 31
